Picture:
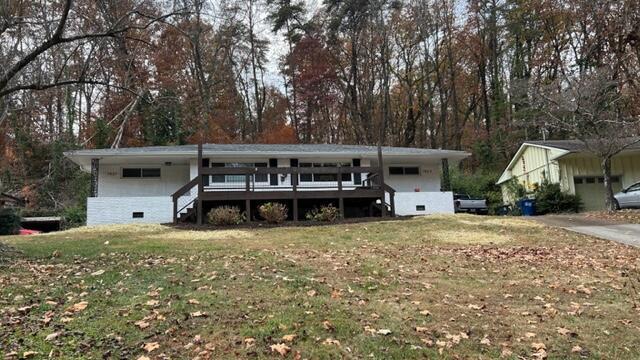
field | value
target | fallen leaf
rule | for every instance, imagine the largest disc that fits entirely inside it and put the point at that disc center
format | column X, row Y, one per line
column 149, row 347
column 421, row 329
column 425, row 312
column 28, row 354
column 52, row 336
column 538, row 346
column 476, row 307
column 153, row 303
column 330, row 341
column 485, row 341
column 199, row 314
column 289, row 338
column 142, row 324
column 576, row 349
column 193, row 302
column 311, row 293
column 97, row 273
column 78, row 307
column 143, row 358
column 384, row 331
column 529, row 335
column 281, row 349
column 563, row 331
column 327, row 325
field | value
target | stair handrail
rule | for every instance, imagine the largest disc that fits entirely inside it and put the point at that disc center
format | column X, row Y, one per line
column 180, row 192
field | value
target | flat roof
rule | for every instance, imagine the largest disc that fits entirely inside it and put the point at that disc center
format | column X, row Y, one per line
column 265, row 148
column 83, row 157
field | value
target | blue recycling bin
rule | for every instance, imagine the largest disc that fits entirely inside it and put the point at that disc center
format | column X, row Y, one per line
column 528, row 207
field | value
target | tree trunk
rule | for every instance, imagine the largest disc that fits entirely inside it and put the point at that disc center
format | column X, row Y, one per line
column 609, row 200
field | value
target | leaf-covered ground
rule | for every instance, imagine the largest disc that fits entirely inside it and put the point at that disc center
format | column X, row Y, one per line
column 454, row 287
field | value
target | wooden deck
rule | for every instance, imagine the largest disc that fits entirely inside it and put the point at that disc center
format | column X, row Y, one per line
column 371, row 186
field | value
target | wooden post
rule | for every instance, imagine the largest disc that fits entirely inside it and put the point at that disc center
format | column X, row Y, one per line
column 200, row 186
column 175, row 210
column 340, row 198
column 247, row 186
column 95, row 173
column 381, row 176
column 446, row 179
column 294, row 184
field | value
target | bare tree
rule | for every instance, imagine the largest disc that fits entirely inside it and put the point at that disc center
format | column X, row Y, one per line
column 21, row 43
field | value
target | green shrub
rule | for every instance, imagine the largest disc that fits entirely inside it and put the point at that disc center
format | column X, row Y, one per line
column 273, row 213
column 551, row 200
column 9, row 221
column 74, row 216
column 226, row 215
column 327, row 213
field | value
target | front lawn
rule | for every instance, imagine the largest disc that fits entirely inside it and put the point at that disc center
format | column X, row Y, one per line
column 451, row 286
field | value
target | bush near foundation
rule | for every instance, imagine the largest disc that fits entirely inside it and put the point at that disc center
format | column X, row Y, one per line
column 327, row 213
column 226, row 215
column 273, row 213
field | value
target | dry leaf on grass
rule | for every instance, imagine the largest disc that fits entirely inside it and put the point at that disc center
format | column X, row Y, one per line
column 199, row 314
column 52, row 336
column 149, row 347
column 78, row 307
column 289, row 338
column 97, row 273
column 281, row 349
column 141, row 324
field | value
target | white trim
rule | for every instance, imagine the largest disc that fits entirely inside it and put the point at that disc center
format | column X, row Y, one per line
column 504, row 177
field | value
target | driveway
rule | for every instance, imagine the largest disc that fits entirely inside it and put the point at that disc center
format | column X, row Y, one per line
column 605, row 229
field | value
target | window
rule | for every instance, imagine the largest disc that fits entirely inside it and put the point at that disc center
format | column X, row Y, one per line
column 134, row 173
column 325, row 177
column 138, row 215
column 420, row 208
column 591, row 180
column 240, row 178
column 404, row 170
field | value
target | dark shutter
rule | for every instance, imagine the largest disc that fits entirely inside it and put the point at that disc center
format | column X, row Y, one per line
column 357, row 177
column 273, row 178
column 205, row 164
column 293, row 163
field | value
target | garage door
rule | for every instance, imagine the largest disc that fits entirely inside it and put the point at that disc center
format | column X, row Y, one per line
column 591, row 190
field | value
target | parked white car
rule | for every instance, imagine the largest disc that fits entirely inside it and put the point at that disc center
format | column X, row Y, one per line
column 629, row 197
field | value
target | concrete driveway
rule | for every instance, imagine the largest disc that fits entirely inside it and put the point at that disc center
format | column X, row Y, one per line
column 605, row 229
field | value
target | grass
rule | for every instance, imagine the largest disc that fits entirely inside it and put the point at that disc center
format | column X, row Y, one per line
column 438, row 286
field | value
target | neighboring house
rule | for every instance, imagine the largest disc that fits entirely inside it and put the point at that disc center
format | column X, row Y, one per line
column 568, row 163
column 7, row 200
column 162, row 184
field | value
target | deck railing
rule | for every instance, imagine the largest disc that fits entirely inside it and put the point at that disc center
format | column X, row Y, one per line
column 369, row 180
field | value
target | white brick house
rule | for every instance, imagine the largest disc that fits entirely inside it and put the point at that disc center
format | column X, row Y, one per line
column 162, row 184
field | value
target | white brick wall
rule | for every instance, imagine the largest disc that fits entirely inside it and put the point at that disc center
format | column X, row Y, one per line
column 119, row 210
column 434, row 202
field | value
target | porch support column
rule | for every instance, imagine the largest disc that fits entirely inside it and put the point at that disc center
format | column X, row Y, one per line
column 382, row 184
column 294, row 184
column 95, row 171
column 340, row 196
column 200, row 186
column 446, row 179
column 247, row 183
